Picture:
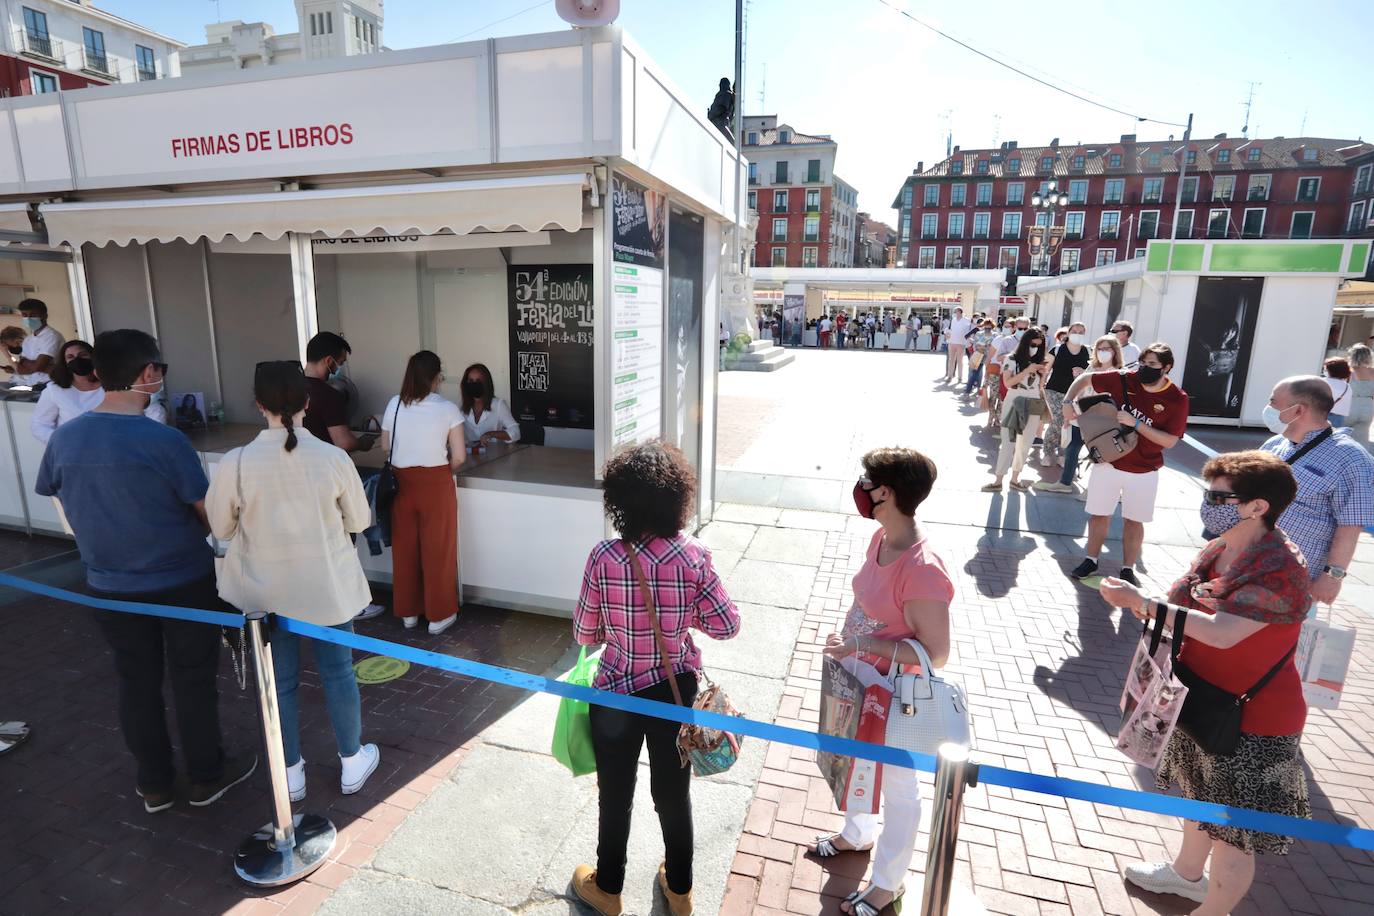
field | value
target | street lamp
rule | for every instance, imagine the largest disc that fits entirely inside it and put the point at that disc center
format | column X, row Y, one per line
column 1049, row 200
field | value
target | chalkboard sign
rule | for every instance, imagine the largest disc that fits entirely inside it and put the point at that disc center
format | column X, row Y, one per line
column 551, row 345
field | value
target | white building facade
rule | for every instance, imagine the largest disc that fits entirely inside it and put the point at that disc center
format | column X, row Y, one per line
column 70, row 44
column 326, row 29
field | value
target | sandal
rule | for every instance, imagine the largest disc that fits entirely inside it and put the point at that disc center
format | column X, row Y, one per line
column 825, row 847
column 12, row 734
column 994, row 487
column 861, row 907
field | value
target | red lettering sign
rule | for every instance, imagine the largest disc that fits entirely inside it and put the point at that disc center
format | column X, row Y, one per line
column 257, row 141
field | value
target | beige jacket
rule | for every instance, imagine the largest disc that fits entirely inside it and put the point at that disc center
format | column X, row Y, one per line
column 290, row 552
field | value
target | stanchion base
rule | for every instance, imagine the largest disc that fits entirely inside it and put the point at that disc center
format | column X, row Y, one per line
column 261, row 864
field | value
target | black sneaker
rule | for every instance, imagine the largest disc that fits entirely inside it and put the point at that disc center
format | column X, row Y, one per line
column 153, row 802
column 1128, row 575
column 236, row 770
column 1085, row 569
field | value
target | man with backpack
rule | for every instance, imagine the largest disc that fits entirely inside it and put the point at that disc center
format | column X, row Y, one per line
column 1155, row 410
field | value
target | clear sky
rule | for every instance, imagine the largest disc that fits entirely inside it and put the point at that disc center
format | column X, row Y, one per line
column 888, row 90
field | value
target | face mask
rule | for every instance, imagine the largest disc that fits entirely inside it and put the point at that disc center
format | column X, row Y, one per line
column 864, row 501
column 1105, row 357
column 153, row 396
column 1273, row 418
column 16, row 350
column 1034, row 351
column 336, row 373
column 33, row 324
column 1220, row 519
column 1079, row 339
column 1149, row 374
column 473, row 389
column 80, row 365
column 1019, row 332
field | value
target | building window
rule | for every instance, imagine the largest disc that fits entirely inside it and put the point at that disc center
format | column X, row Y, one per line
column 1223, row 155
column 906, row 196
column 1223, row 187
column 1154, row 190
column 1252, row 154
column 314, row 24
column 981, row 167
column 1079, row 162
column 1190, row 189
column 1308, row 189
column 1362, row 177
column 1258, row 189
column 42, row 82
column 1301, row 227
column 985, row 194
column 779, row 257
column 906, row 227
column 956, row 167
column 1078, row 191
column 812, row 228
column 956, row 225
column 751, row 138
column 780, row 173
column 1356, row 221
column 809, row 256
column 146, row 63
column 932, row 195
column 1149, row 224
column 813, row 170
column 93, row 45
column 753, row 173
column 1068, row 260
column 1183, row 224
column 1106, row 256
column 753, row 200
column 1112, row 190
column 958, row 195
column 1042, row 218
column 784, row 135
column 1218, row 223
column 1110, row 226
column 36, row 31
column 926, row 257
column 813, row 200
column 1309, row 154
column 1011, row 225
column 954, row 258
column 930, row 224
column 779, row 201
column 780, row 230
column 1252, row 224
column 1190, row 157
column 1007, row 257
column 1046, row 163
column 1073, row 225
column 1114, row 161
column 978, row 257
column 1152, row 159
column 1014, row 166
column 1016, row 194
column 982, row 223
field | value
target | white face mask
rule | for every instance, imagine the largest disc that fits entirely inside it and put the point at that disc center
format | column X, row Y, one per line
column 1106, row 357
column 1079, row 339
column 153, row 396
column 1273, row 418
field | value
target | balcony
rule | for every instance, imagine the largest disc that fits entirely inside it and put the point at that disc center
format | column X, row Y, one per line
column 1221, row 196
column 1190, row 197
column 811, row 237
column 1257, row 194
column 753, row 179
column 980, row 234
column 1108, row 234
column 1151, row 197
column 956, row 233
column 146, row 75
column 93, row 61
column 1073, row 236
column 1010, row 235
column 36, row 45
column 984, row 202
column 1307, row 197
column 927, row 235
column 779, row 237
column 1145, row 232
column 1362, row 189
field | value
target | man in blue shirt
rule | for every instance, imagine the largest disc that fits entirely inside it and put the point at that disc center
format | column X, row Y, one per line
column 133, row 492
column 1335, row 477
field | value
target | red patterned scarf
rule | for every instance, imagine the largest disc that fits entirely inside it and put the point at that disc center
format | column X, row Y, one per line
column 1268, row 582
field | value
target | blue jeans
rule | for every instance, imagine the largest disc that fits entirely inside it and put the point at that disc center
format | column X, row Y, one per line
column 1071, row 455
column 335, row 664
column 975, row 378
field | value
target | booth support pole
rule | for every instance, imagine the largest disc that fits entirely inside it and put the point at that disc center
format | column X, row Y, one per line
column 81, row 296
column 953, row 771
column 303, row 283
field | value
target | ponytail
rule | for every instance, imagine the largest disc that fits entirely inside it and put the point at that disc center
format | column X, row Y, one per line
column 290, row 433
column 279, row 388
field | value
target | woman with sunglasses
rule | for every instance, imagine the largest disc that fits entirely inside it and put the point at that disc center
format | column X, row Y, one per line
column 287, row 503
column 902, row 592
column 1023, row 408
column 75, row 390
column 1245, row 598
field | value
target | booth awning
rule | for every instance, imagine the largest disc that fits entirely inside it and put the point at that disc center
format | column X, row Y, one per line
column 530, row 203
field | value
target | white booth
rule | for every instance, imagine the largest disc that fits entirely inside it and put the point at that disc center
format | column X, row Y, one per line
column 548, row 205
column 1239, row 314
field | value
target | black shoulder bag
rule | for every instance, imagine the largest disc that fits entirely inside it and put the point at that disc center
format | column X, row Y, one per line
column 1211, row 716
column 387, row 484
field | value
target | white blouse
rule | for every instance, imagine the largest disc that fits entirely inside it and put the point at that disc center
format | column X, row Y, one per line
column 424, row 428
column 57, row 406
column 289, row 547
column 496, row 418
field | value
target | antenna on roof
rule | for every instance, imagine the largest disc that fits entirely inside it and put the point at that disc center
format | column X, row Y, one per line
column 996, row 128
column 1249, row 104
column 763, row 90
column 1302, row 131
column 947, row 116
column 218, row 16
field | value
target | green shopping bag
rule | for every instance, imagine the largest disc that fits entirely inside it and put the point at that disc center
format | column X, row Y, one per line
column 572, row 731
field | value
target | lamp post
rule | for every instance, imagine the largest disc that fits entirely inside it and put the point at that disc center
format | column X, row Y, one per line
column 1049, row 200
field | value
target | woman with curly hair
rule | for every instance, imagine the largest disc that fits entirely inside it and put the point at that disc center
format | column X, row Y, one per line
column 648, row 492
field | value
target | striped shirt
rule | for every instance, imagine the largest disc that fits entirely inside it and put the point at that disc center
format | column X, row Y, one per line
column 687, row 593
column 1335, row 488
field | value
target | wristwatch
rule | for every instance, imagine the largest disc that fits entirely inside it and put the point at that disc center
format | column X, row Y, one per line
column 1335, row 572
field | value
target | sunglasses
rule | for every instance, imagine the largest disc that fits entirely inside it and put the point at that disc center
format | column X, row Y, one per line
column 1218, row 497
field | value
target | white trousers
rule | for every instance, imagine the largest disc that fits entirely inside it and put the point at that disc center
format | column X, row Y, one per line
column 954, row 360
column 1013, row 454
column 895, row 843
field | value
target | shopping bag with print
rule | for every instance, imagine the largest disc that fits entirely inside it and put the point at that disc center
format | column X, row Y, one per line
column 1323, row 660
column 854, row 704
column 572, row 730
column 1152, row 698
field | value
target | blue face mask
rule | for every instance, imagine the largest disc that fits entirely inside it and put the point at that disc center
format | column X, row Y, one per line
column 1220, row 519
column 33, row 324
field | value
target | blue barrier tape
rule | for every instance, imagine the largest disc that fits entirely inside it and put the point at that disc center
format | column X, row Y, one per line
column 1189, row 809
column 1204, row 812
column 194, row 615
column 1206, row 450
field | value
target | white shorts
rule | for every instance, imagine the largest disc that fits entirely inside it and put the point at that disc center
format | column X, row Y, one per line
column 1108, row 486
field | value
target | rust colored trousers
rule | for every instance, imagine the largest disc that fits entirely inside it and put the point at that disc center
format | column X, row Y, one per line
column 424, row 544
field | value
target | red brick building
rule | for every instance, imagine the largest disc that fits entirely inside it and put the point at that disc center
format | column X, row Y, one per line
column 972, row 209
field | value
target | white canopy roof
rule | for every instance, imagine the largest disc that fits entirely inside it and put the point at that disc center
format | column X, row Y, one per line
column 530, row 203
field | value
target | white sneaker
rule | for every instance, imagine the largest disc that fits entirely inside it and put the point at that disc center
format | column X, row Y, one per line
column 357, row 768
column 1160, row 878
column 411, row 622
column 372, row 610
column 436, row 628
column 295, row 780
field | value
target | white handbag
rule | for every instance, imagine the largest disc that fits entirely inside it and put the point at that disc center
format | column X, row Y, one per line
column 926, row 710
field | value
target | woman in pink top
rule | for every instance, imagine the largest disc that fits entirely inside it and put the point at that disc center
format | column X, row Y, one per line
column 902, row 592
column 649, row 491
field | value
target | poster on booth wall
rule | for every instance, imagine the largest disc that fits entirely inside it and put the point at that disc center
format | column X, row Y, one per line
column 551, row 335
column 794, row 319
column 638, row 222
column 1219, row 344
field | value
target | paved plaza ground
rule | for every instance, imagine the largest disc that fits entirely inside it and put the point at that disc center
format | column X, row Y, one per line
column 470, row 814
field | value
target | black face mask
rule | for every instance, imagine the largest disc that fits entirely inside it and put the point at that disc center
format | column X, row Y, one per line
column 473, row 389
column 16, row 350
column 81, row 365
column 1149, row 375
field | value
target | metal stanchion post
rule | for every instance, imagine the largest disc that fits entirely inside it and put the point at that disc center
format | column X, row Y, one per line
column 953, row 771
column 290, row 847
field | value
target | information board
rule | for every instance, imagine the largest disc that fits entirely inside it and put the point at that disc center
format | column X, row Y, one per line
column 551, row 336
column 637, row 246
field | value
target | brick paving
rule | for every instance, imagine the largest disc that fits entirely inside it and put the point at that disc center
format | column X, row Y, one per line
column 76, row 838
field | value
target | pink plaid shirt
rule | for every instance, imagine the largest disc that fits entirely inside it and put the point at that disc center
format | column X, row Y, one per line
column 687, row 593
